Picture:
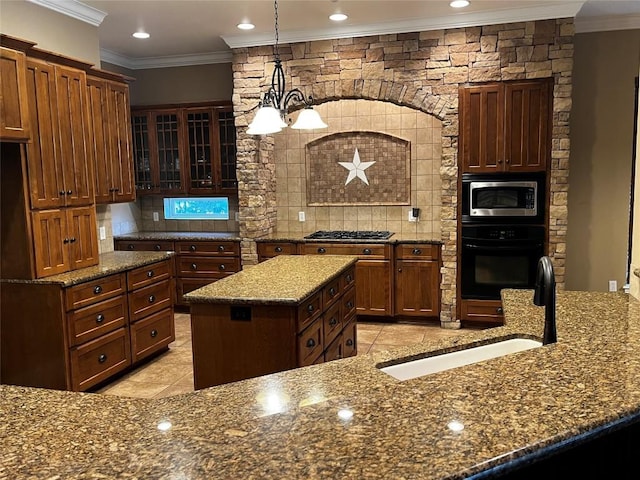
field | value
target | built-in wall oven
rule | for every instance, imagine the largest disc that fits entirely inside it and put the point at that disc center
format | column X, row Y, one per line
column 494, row 257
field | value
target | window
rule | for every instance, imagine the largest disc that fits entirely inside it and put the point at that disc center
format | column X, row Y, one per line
column 201, row 208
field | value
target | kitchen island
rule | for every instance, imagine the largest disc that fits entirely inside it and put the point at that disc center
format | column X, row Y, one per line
column 347, row 419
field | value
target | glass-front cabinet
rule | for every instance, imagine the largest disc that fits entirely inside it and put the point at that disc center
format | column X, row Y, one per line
column 190, row 149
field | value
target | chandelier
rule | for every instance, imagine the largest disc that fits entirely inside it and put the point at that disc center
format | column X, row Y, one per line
column 274, row 106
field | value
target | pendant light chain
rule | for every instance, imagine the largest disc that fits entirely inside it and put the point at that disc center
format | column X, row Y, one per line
column 275, row 7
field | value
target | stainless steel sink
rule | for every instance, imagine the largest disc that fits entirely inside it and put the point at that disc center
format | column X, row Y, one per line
column 447, row 361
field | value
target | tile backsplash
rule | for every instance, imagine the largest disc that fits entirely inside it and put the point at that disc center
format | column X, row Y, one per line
column 420, row 130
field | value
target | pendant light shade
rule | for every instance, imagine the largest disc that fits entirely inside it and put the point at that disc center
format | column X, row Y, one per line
column 308, row 119
column 275, row 104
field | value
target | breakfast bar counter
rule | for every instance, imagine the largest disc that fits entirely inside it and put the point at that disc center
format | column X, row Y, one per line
column 347, row 419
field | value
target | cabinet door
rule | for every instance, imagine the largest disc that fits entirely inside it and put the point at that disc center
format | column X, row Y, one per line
column 82, row 237
column 169, row 154
column 481, row 128
column 120, row 142
column 14, row 112
column 73, row 128
column 527, row 125
column 144, row 154
column 46, row 187
column 417, row 288
column 99, row 139
column 202, row 156
column 373, row 287
column 50, row 242
column 227, row 151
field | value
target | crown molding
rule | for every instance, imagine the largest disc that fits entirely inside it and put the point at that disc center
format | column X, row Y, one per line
column 163, row 62
column 74, row 9
column 603, row 24
column 510, row 15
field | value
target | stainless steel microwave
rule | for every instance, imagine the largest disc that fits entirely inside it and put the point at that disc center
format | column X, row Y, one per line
column 503, row 198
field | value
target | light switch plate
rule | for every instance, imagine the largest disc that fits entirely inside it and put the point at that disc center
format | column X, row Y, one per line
column 103, row 233
column 301, row 217
column 156, row 217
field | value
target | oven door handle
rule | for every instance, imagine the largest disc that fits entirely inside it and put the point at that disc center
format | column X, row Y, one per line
column 473, row 246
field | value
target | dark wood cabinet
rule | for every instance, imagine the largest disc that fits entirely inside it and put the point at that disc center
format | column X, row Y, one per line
column 14, row 112
column 505, row 127
column 109, row 114
column 417, row 280
column 187, row 149
column 481, row 311
column 270, row 249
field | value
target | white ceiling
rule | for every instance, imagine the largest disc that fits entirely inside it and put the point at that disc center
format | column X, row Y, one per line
column 187, row 32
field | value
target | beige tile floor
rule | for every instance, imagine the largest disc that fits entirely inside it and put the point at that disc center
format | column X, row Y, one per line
column 171, row 373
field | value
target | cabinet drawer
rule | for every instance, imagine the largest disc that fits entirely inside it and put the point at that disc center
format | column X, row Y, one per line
column 348, row 301
column 421, row 251
column 348, row 278
column 310, row 344
column 228, row 249
column 153, row 333
column 207, row 266
column 186, row 285
column 361, row 250
column 335, row 350
column 145, row 245
column 309, row 310
column 269, row 249
column 91, row 292
column 332, row 323
column 143, row 276
column 97, row 360
column 349, row 339
column 331, row 292
column 95, row 320
column 481, row 310
column 148, row 300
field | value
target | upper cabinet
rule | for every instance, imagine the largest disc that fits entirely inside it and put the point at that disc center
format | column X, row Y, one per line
column 60, row 169
column 190, row 149
column 111, row 139
column 14, row 113
column 506, row 127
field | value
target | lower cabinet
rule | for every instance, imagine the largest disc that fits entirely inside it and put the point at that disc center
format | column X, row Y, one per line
column 233, row 342
column 75, row 337
column 417, row 280
column 481, row 311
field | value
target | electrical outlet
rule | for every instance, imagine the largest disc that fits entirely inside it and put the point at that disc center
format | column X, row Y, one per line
column 236, row 216
column 410, row 217
column 301, row 217
column 103, row 233
column 613, row 286
column 156, row 217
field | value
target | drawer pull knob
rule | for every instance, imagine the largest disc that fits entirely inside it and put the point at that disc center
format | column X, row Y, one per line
column 221, row 248
column 332, row 291
column 102, row 358
column 156, row 247
column 333, row 321
column 152, row 298
column 349, row 342
column 61, row 193
column 349, row 278
column 97, row 289
column 310, row 308
column 150, row 274
column 72, row 240
column 367, row 251
column 499, row 310
column 194, row 266
column 417, row 251
column 154, row 333
column 192, row 248
column 349, row 304
column 400, row 270
column 69, row 192
column 311, row 343
column 322, row 250
column 130, row 246
column 222, row 267
column 65, row 241
column 278, row 249
column 99, row 318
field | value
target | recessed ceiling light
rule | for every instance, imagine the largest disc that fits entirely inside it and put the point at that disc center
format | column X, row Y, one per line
column 141, row 35
column 338, row 17
column 246, row 26
column 459, row 3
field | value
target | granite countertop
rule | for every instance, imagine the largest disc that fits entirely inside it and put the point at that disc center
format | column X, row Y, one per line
column 286, row 236
column 283, row 280
column 171, row 236
column 109, row 263
column 347, row 419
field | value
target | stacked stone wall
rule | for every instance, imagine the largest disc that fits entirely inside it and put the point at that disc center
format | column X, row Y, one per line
column 422, row 71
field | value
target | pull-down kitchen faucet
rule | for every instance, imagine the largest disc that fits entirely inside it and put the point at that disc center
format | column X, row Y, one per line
column 545, row 294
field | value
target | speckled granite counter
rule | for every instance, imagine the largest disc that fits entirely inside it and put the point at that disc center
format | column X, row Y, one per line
column 297, row 424
column 283, row 280
column 172, row 236
column 285, row 236
column 112, row 262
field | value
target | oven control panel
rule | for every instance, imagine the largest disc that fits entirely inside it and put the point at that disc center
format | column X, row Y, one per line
column 503, row 232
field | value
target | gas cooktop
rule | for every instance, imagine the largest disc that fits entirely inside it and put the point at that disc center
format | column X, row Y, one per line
column 350, row 235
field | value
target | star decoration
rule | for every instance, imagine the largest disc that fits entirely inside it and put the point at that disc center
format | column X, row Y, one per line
column 356, row 168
